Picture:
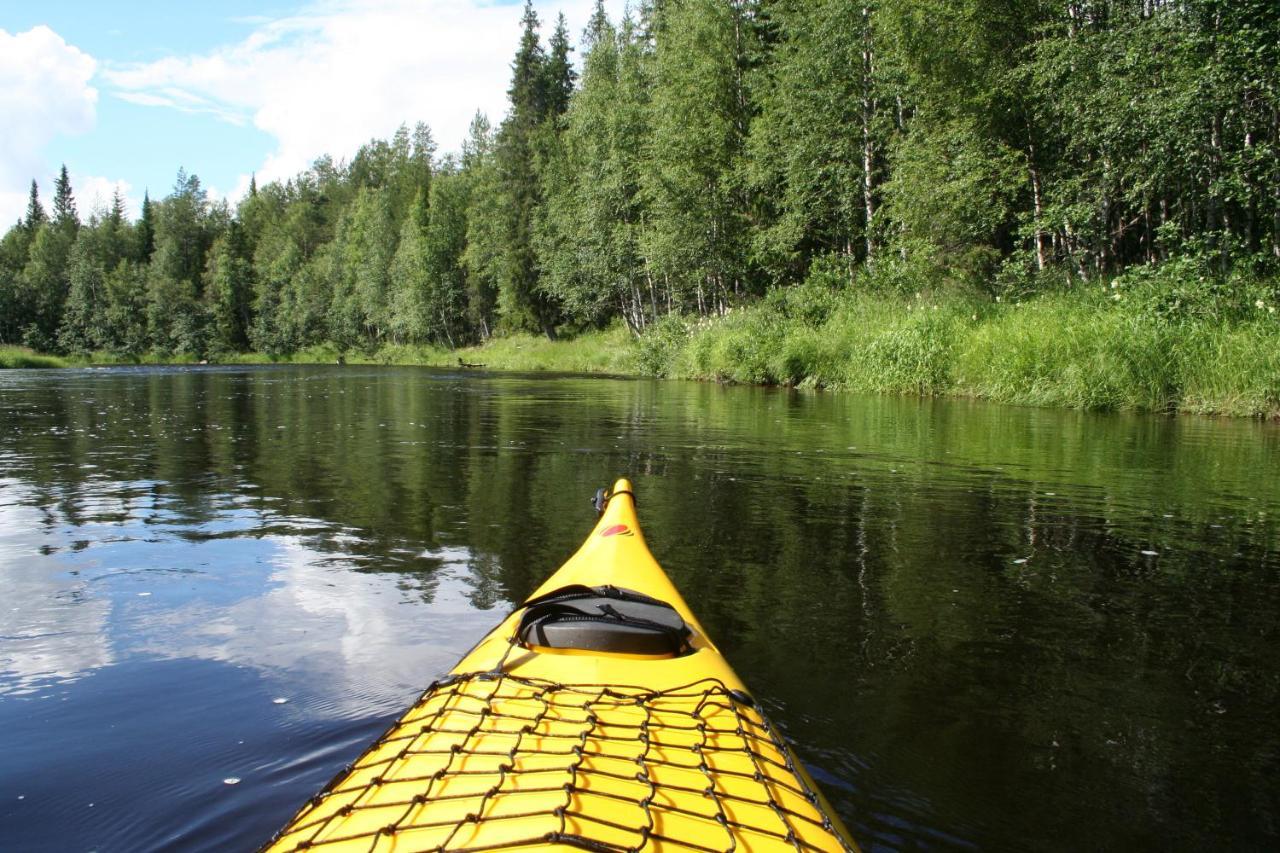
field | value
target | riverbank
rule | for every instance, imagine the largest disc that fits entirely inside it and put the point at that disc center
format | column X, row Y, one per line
column 611, row 351
column 1121, row 348
column 1084, row 350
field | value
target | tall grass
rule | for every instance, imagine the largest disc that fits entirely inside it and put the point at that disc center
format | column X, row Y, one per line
column 1086, row 350
column 608, row 351
column 11, row 356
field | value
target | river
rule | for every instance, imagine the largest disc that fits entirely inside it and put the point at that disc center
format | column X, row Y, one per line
column 982, row 627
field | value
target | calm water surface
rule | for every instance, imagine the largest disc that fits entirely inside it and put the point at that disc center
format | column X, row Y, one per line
column 983, row 627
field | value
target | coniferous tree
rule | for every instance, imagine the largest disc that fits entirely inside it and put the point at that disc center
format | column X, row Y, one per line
column 116, row 233
column 43, row 287
column 558, row 71
column 522, row 303
column 181, row 229
column 117, row 213
column 146, row 232
column 421, row 165
column 176, row 315
column 35, row 211
column 713, row 147
column 65, row 216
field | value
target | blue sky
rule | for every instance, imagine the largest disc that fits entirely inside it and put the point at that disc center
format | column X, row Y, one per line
column 126, row 93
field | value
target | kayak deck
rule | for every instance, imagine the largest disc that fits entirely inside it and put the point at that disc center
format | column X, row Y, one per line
column 524, row 746
column 497, row 761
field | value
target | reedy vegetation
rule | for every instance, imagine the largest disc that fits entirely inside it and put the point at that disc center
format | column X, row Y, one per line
column 762, row 190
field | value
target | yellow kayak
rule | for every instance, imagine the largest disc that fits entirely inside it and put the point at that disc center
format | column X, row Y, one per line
column 598, row 716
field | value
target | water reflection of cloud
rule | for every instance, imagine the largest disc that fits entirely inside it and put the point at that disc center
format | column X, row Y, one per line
column 290, row 596
column 51, row 628
column 362, row 635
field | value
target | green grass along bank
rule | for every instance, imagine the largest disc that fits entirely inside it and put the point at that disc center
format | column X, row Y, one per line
column 1124, row 348
column 1070, row 350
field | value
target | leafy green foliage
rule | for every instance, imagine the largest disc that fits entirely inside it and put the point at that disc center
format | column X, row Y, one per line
column 228, row 290
column 693, row 183
column 587, row 233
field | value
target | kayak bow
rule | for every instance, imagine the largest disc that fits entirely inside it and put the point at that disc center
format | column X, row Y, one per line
column 597, row 716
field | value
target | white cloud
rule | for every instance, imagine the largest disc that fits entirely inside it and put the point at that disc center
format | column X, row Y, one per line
column 13, row 203
column 44, row 94
column 94, row 192
column 326, row 80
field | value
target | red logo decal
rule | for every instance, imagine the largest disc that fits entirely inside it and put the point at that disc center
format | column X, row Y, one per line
column 616, row 530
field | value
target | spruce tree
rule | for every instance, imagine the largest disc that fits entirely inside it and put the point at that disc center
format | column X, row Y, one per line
column 65, row 216
column 35, row 212
column 527, row 93
column 422, row 163
column 146, row 230
column 44, row 283
column 183, row 222
column 117, row 212
column 116, row 236
column 521, row 301
column 558, row 72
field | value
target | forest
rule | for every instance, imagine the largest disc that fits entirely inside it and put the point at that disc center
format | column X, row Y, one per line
column 701, row 157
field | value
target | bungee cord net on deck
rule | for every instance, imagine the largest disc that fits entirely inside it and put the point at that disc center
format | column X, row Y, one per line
column 489, row 761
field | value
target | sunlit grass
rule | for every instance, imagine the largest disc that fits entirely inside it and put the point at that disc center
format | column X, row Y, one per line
column 1071, row 350
column 609, row 351
column 11, row 356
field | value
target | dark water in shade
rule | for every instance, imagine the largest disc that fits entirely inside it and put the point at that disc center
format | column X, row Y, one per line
column 982, row 627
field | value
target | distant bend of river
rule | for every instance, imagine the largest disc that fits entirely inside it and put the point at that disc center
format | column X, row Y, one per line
column 982, row 627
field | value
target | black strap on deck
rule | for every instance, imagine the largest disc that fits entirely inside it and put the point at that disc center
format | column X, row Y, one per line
column 603, row 619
